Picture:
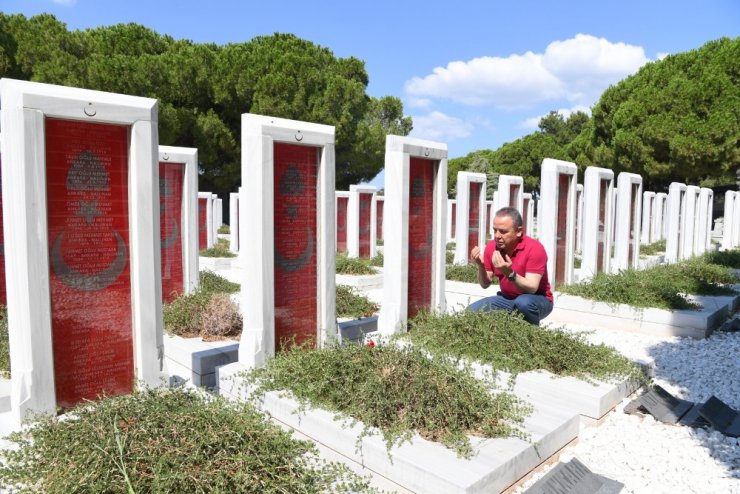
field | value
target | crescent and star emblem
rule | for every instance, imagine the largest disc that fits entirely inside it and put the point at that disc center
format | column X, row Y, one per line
column 88, row 282
column 173, row 236
column 422, row 251
column 291, row 184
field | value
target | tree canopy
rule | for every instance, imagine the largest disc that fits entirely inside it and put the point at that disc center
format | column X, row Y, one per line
column 203, row 88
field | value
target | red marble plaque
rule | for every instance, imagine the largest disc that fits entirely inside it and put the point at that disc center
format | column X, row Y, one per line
column 90, row 282
column 379, row 219
column 296, row 278
column 421, row 211
column 365, row 218
column 473, row 216
column 603, row 191
column 171, row 176
column 454, row 220
column 342, row 223
column 202, row 223
column 525, row 215
column 561, row 228
column 3, row 293
column 513, row 193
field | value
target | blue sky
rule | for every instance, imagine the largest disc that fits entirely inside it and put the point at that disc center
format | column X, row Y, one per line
column 472, row 74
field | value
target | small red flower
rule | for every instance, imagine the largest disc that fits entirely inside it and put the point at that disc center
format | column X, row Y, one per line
column 371, row 344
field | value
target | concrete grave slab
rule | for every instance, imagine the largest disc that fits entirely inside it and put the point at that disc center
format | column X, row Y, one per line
column 195, row 360
column 721, row 416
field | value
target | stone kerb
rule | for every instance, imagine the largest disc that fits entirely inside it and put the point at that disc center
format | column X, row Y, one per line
column 730, row 213
column 234, row 222
column 598, row 185
column 658, row 216
column 675, row 211
column 189, row 212
column 689, row 222
column 557, row 218
column 627, row 225
column 37, row 122
column 703, row 239
column 471, row 207
column 414, row 248
column 648, row 208
column 288, row 242
column 361, row 221
column 205, row 220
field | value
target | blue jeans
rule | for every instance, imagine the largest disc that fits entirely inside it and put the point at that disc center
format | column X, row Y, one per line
column 533, row 307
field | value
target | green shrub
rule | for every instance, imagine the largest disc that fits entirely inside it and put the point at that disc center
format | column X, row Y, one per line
column 224, row 229
column 377, row 260
column 467, row 273
column 379, row 241
column 727, row 258
column 396, row 391
column 4, row 343
column 652, row 249
column 353, row 265
column 352, row 304
column 450, row 246
column 507, row 342
column 182, row 315
column 220, row 249
column 220, row 318
column 212, row 282
column 166, row 440
column 449, row 257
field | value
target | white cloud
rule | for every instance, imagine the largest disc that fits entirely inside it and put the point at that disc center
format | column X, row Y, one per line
column 577, row 69
column 437, row 126
column 534, row 122
column 418, row 102
column 65, row 3
column 661, row 55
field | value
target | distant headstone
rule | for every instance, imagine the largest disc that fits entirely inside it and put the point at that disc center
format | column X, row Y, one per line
column 721, row 416
column 574, row 478
column 662, row 405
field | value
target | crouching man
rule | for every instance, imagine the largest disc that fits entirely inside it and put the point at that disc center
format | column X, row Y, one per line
column 520, row 264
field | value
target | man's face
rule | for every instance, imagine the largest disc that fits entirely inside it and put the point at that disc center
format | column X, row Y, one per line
column 505, row 234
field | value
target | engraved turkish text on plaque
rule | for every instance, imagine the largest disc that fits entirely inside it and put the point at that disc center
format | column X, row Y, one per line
column 202, row 223
column 473, row 216
column 296, row 277
column 421, row 207
column 342, row 224
column 170, row 220
column 90, row 283
column 365, row 218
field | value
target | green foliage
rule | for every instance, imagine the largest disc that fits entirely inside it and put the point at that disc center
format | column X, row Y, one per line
column 661, row 287
column 352, row 304
column 215, row 283
column 220, row 249
column 467, row 273
column 185, row 314
column 507, row 342
column 224, row 229
column 449, row 257
column 397, row 391
column 652, row 249
column 727, row 258
column 377, row 260
column 4, row 343
column 166, row 440
column 353, row 265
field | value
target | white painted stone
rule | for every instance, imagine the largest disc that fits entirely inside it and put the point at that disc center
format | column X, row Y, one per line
column 463, row 226
column 703, row 238
column 398, row 154
column 674, row 213
column 210, row 237
column 658, row 216
column 361, row 282
column 353, row 219
column 25, row 106
column 548, row 218
column 234, row 222
column 689, row 222
column 627, row 226
column 597, row 221
column 648, row 207
column 259, row 135
column 189, row 226
column 732, row 198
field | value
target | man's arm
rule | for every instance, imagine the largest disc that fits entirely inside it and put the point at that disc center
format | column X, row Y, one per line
column 526, row 283
column 485, row 278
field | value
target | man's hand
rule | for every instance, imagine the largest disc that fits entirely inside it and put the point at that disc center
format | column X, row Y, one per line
column 476, row 256
column 502, row 263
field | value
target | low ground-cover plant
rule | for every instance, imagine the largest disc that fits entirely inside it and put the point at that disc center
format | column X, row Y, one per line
column 224, row 229
column 662, row 287
column 378, row 260
column 652, row 249
column 220, row 249
column 449, row 257
column 727, row 258
column 398, row 391
column 166, row 440
column 467, row 273
column 507, row 342
column 213, row 282
column 4, row 343
column 352, row 304
column 353, row 265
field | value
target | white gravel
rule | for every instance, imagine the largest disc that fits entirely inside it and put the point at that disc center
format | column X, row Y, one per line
column 650, row 457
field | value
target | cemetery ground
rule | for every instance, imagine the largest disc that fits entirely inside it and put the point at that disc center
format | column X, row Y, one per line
column 183, row 440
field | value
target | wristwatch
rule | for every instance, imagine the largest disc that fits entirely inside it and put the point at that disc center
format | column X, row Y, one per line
column 512, row 276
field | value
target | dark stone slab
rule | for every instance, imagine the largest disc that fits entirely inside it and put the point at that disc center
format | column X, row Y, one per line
column 722, row 417
column 574, row 478
column 730, row 326
column 357, row 329
column 206, row 361
column 693, row 418
column 664, row 406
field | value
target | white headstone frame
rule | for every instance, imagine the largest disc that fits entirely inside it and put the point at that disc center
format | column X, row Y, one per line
column 689, row 224
column 210, row 237
column 465, row 231
column 675, row 211
column 489, row 218
column 400, row 154
column 341, row 194
column 189, row 227
column 379, row 217
column 557, row 227
column 598, row 184
column 234, row 222
column 353, row 220
column 261, row 137
column 451, row 219
column 657, row 225
column 615, row 193
column 629, row 208
column 27, row 108
column 510, row 192
column 579, row 218
column 731, row 198
column 646, row 228
column 527, row 213
column 704, row 221
column 215, row 223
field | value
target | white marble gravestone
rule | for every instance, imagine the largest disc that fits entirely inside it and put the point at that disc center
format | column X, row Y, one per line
column 471, row 207
column 648, row 207
column 288, row 292
column 340, row 222
column 414, row 248
column 489, row 218
column 379, row 216
column 675, row 211
column 451, row 219
column 234, row 222
column 689, row 222
column 205, row 221
column 361, row 234
column 703, row 239
column 732, row 197
column 510, row 192
column 557, row 218
column 82, row 244
column 658, row 215
column 627, row 226
column 187, row 158
column 218, row 215
column 527, row 214
column 598, row 184
column 579, row 218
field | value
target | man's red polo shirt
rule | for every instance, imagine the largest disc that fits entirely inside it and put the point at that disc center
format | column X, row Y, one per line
column 529, row 257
